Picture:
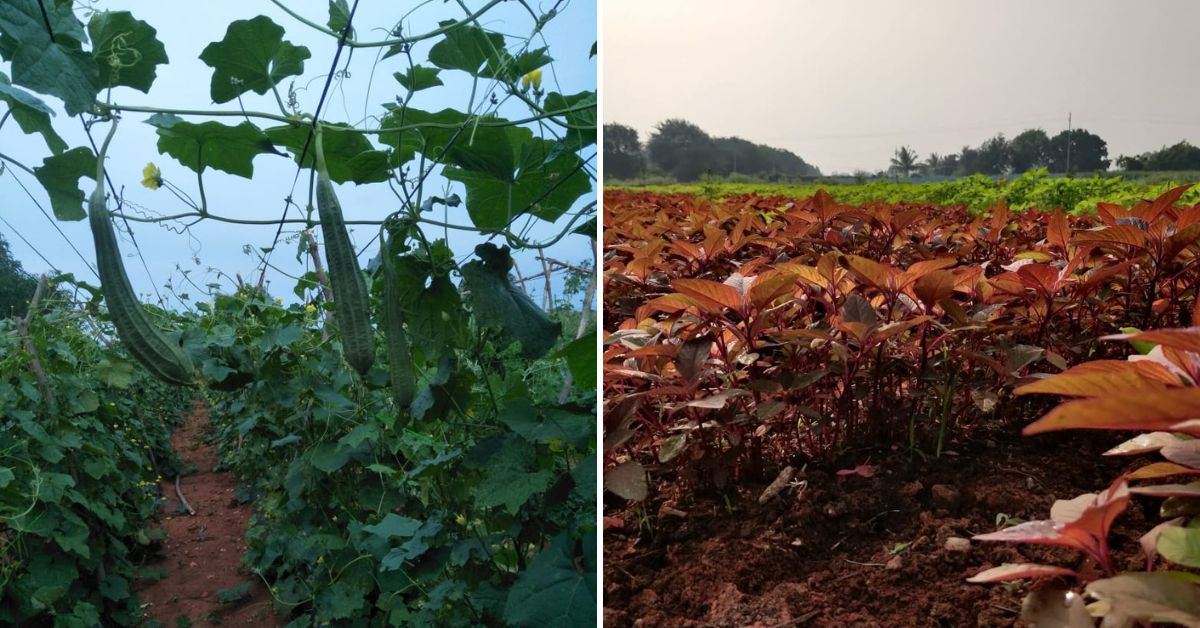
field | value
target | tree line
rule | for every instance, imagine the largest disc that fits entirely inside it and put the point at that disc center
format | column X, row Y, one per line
column 1077, row 150
column 683, row 151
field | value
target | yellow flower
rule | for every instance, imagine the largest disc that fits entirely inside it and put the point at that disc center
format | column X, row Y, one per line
column 460, row 519
column 310, row 308
column 534, row 78
column 279, row 300
column 151, row 176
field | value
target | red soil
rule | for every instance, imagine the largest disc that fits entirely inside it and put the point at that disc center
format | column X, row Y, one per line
column 830, row 557
column 203, row 553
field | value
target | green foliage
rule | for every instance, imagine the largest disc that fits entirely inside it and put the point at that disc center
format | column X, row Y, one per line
column 978, row 192
column 434, row 514
column 16, row 286
column 78, row 489
column 466, row 498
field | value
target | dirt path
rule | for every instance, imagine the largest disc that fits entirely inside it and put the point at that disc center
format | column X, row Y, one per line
column 202, row 553
column 857, row 552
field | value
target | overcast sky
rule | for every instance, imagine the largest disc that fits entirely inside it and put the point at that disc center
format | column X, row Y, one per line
column 843, row 83
column 185, row 84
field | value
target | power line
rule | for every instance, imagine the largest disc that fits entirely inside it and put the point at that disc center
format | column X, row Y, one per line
column 312, row 129
column 49, row 30
column 54, row 223
column 29, row 244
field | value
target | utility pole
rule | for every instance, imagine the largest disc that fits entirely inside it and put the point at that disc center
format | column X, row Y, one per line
column 1068, row 142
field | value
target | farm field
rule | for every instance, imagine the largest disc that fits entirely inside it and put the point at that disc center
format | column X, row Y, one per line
column 1035, row 188
column 824, row 413
column 314, row 341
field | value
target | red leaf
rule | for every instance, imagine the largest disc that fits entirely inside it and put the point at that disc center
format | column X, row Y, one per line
column 1093, row 384
column 1156, row 470
column 1057, row 232
column 1123, row 411
column 933, row 287
column 1165, row 201
column 717, row 296
column 1120, row 234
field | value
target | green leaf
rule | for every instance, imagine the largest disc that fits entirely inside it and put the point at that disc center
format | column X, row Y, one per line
column 6, row 476
column 339, row 16
column 429, row 141
column 115, row 588
column 465, row 48
column 286, row 440
column 581, row 124
column 60, row 174
column 436, row 326
column 330, row 457
column 508, row 479
column 1180, row 546
column 349, row 155
column 114, row 372
column 31, row 114
column 253, row 56
column 71, row 75
column 419, row 78
column 1162, row 596
column 546, row 185
column 23, row 20
column 495, row 301
column 544, row 425
column 230, row 149
column 584, row 475
column 553, row 591
column 339, row 600
column 580, row 355
column 394, row 525
column 127, row 50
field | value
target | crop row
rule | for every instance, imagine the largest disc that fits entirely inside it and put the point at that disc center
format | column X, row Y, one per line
column 751, row 328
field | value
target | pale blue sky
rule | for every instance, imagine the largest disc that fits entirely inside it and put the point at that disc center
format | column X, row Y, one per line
column 843, row 83
column 185, row 84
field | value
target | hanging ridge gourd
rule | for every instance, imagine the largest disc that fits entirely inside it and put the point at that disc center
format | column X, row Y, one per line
column 163, row 358
column 496, row 302
column 345, row 276
column 400, row 367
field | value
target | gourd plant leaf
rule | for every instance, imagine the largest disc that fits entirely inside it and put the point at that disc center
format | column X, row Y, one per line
column 202, row 145
column 31, row 113
column 348, row 156
column 59, row 174
column 57, row 66
column 126, row 49
column 253, row 56
column 558, row 588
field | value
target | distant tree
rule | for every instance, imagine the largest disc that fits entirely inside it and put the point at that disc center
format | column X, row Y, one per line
column 995, row 157
column 1089, row 152
column 1028, row 150
column 682, row 149
column 942, row 165
column 1130, row 163
column 904, row 161
column 1181, row 156
column 622, row 152
column 16, row 285
column 968, row 161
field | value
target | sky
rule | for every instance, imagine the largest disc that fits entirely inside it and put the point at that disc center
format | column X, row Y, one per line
column 843, row 83
column 185, row 84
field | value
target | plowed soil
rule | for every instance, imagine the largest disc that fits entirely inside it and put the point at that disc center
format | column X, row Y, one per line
column 202, row 553
column 855, row 551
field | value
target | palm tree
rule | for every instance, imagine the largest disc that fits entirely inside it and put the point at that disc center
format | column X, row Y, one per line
column 905, row 161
